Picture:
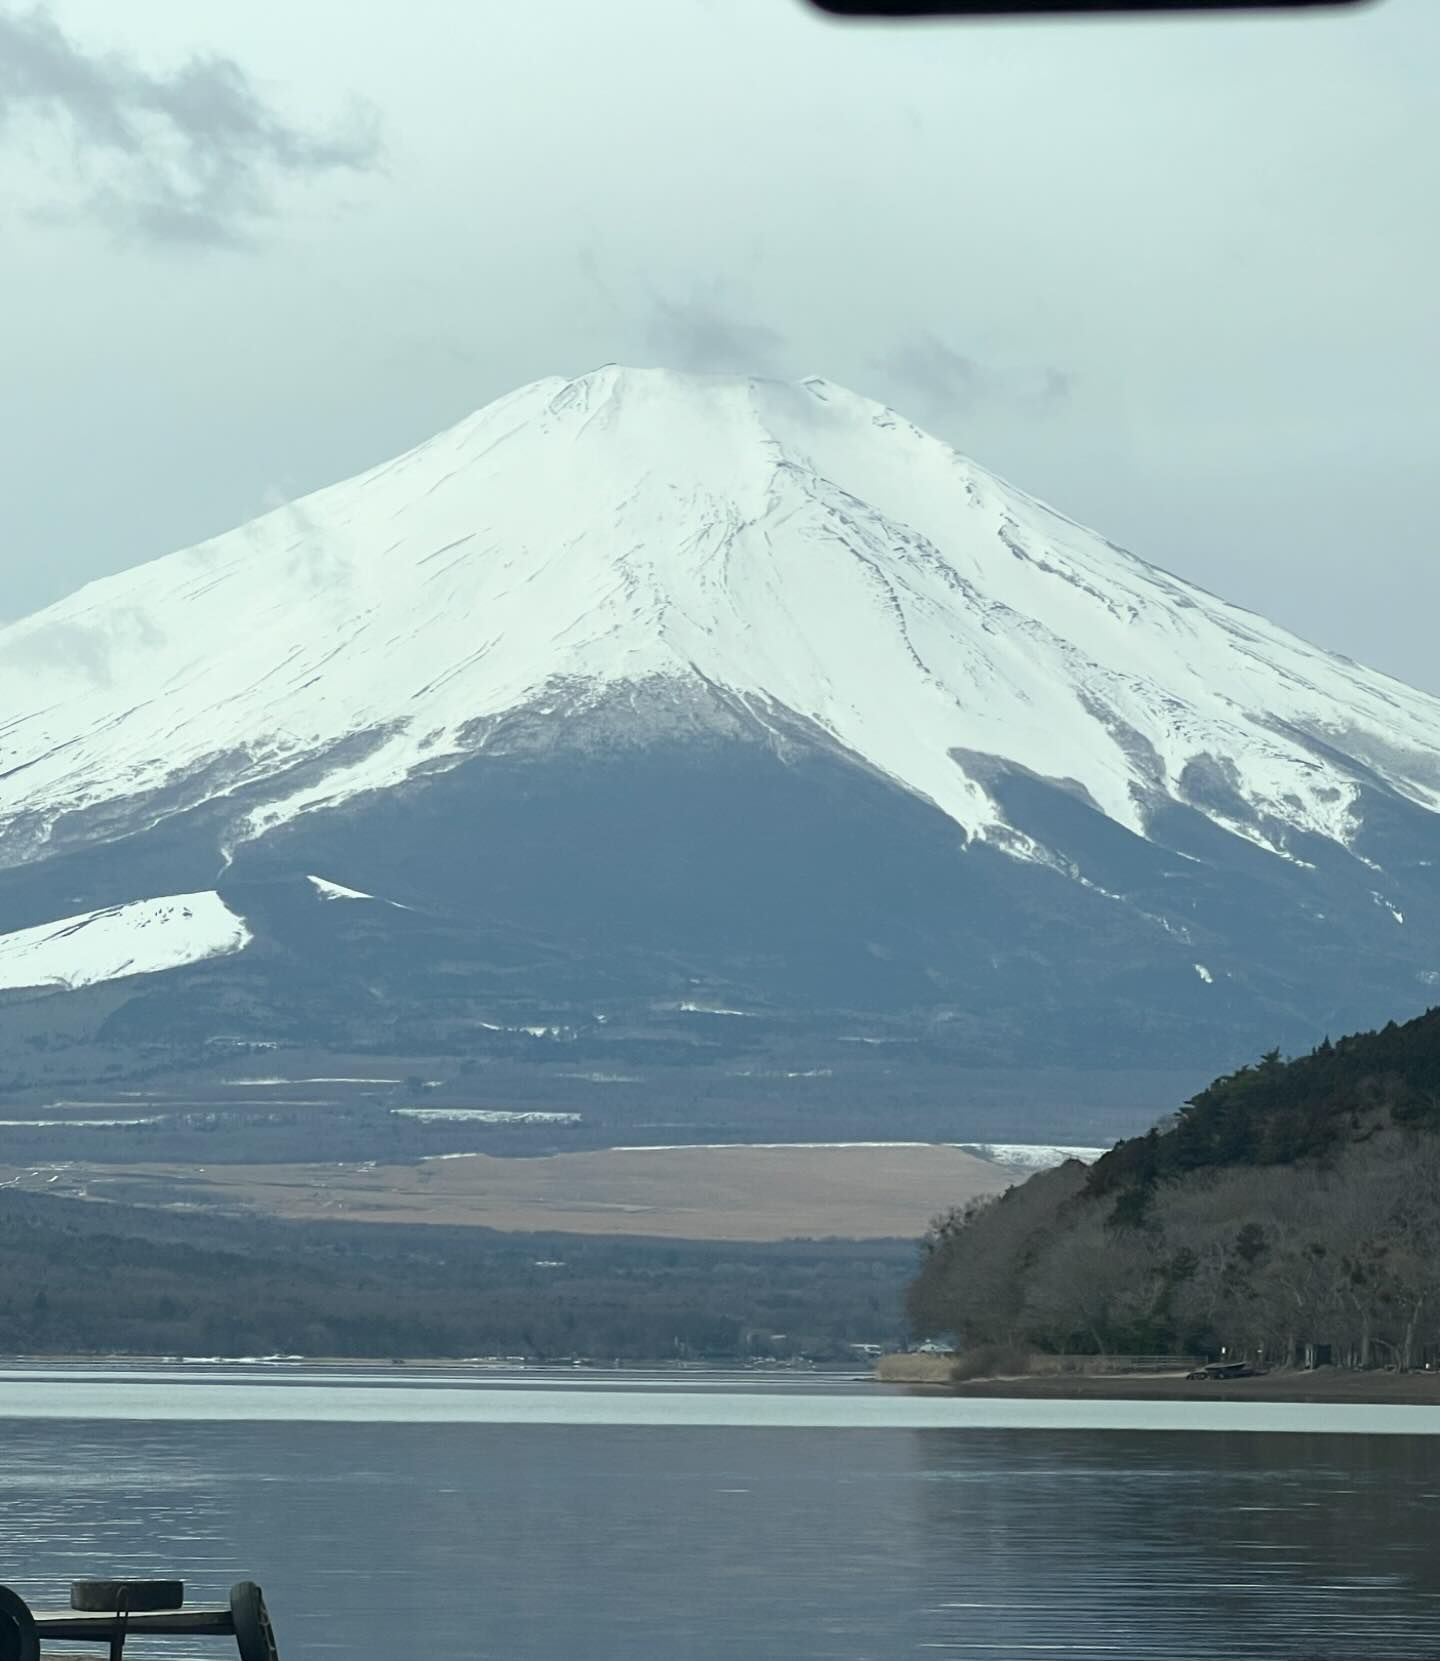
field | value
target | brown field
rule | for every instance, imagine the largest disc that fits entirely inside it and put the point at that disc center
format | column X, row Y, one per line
column 915, row 1369
column 722, row 1193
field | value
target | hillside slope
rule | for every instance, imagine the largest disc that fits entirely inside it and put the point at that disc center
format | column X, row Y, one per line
column 1289, row 1205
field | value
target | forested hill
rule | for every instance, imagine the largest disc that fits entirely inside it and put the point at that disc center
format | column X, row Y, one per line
column 1281, row 1112
column 1291, row 1208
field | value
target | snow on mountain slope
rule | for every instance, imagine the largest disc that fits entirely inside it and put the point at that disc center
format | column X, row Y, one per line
column 1030, row 1156
column 140, row 938
column 335, row 890
column 338, row 891
column 794, row 548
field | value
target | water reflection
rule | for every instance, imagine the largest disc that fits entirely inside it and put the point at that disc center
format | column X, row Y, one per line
column 1139, row 1544
column 690, row 1543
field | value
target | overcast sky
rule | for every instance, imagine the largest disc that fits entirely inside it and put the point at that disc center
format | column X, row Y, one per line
column 1179, row 278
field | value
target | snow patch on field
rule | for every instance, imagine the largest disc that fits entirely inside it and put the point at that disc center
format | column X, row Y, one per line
column 1018, row 1156
column 236, row 1083
column 531, row 1032
column 1030, row 1156
column 142, row 937
column 741, row 1147
column 80, row 1124
column 485, row 1116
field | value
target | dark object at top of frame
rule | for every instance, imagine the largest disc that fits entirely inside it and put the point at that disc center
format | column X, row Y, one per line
column 1064, row 8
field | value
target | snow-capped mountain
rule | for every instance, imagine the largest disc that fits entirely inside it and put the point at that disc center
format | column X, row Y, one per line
column 729, row 684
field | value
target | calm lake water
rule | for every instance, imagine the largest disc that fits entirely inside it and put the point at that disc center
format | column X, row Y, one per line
column 698, row 1517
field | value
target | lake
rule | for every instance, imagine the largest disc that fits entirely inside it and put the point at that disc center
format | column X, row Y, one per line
column 725, row 1515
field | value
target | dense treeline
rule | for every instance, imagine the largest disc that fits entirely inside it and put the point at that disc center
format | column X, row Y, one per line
column 1280, row 1112
column 1291, row 1209
column 78, row 1277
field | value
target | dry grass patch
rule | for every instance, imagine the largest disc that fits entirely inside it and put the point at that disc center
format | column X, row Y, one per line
column 719, row 1193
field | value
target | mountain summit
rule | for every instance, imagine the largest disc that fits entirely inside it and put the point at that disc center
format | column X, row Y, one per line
column 730, row 684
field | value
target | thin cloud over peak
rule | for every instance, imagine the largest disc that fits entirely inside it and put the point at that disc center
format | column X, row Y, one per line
column 705, row 333
column 944, row 381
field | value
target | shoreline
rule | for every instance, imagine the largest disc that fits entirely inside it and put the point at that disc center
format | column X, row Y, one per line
column 926, row 1375
column 1325, row 1384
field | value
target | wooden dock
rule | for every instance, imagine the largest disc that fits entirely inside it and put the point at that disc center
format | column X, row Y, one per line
column 107, row 1612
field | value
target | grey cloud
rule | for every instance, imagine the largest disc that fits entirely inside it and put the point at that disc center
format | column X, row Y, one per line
column 1056, row 386
column 587, row 262
column 703, row 334
column 949, row 382
column 192, row 157
column 936, row 372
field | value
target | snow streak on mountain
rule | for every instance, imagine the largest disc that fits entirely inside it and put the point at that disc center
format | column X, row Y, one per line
column 796, row 548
